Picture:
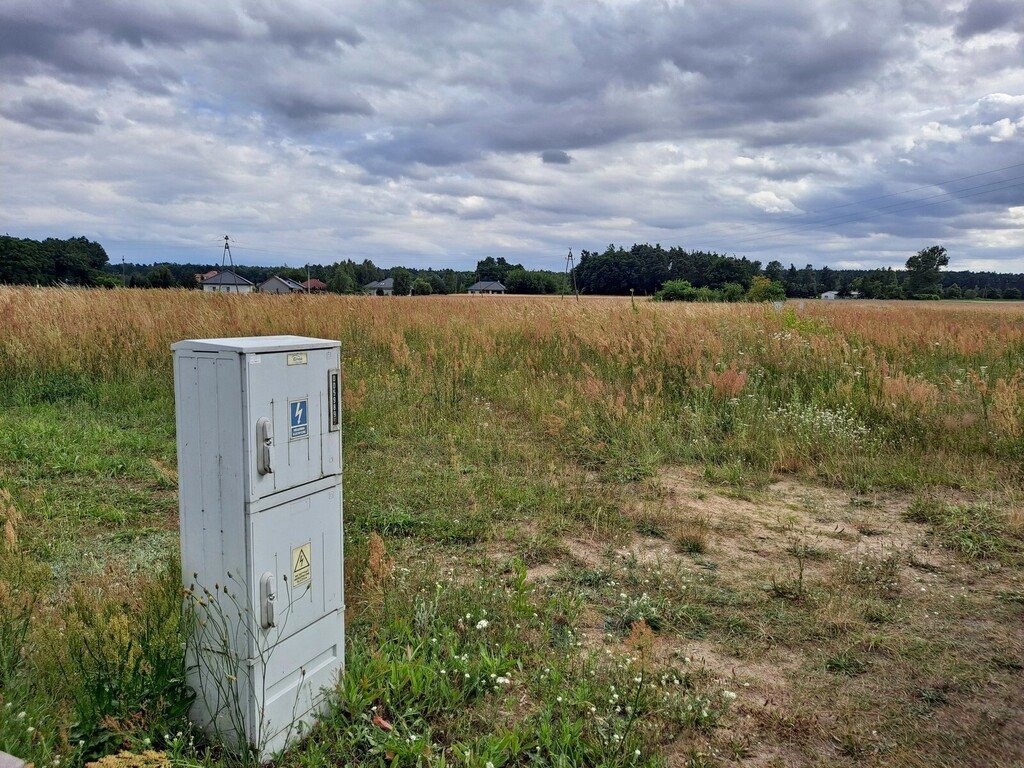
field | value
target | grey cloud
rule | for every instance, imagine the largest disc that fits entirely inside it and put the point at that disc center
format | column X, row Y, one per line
column 51, row 114
column 305, row 26
column 436, row 108
column 306, row 104
column 81, row 37
column 982, row 16
column 394, row 155
column 555, row 157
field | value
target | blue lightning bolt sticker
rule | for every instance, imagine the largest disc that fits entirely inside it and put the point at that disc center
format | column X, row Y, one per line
column 298, row 419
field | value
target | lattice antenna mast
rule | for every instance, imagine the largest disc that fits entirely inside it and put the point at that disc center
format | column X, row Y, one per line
column 226, row 257
column 570, row 273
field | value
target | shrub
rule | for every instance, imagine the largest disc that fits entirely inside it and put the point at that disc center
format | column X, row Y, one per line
column 763, row 289
column 682, row 290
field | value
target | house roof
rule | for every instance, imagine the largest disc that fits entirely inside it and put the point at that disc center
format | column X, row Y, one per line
column 314, row 284
column 487, row 285
column 227, row 277
column 387, row 283
column 292, row 285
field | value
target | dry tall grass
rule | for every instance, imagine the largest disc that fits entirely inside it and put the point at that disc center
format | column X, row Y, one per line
column 782, row 390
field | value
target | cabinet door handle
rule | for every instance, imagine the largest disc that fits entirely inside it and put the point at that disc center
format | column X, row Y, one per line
column 264, row 446
column 268, row 594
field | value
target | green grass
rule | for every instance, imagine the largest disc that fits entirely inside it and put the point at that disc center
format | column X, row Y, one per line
column 974, row 531
column 651, row 629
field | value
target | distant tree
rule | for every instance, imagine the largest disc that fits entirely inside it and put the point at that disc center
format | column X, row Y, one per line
column 924, row 271
column 763, row 289
column 1013, row 294
column 953, row 292
column 161, row 277
column 494, row 269
column 420, row 287
column 971, row 293
column 437, row 284
column 75, row 261
column 520, row 280
column 366, row 272
column 24, row 262
column 809, row 285
column 774, row 271
column 341, row 280
column 992, row 293
column 612, row 272
column 826, row 280
column 403, row 281
column 735, row 292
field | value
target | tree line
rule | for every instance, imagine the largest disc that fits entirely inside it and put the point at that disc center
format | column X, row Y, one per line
column 75, row 261
column 642, row 269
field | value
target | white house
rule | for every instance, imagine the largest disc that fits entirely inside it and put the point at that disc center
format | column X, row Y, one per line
column 384, row 287
column 277, row 284
column 227, row 282
column 833, row 295
column 487, row 286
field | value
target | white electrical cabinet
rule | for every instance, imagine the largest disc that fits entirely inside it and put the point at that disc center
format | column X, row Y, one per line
column 259, row 468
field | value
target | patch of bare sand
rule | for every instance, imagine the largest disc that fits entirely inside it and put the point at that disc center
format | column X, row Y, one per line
column 751, row 538
column 541, row 572
column 789, row 522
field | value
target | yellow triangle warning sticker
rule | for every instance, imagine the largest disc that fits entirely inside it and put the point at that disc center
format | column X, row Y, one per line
column 301, row 565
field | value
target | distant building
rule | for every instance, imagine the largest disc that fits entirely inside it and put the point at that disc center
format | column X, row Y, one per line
column 833, row 295
column 278, row 284
column 206, row 275
column 227, row 282
column 384, row 287
column 487, row 286
column 313, row 285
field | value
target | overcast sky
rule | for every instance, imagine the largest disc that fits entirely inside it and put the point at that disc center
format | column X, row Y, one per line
column 438, row 132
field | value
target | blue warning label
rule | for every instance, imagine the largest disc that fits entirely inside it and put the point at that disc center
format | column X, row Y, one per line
column 298, row 419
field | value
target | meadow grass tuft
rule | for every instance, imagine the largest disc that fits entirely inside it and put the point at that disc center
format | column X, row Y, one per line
column 974, row 531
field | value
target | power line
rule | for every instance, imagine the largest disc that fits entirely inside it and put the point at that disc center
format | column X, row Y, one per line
column 289, row 248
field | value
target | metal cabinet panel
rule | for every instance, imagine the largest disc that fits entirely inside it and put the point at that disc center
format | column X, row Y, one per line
column 300, row 543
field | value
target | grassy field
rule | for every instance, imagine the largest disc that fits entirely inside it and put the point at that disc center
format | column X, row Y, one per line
column 579, row 533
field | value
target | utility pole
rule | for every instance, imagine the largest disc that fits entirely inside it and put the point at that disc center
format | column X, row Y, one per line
column 226, row 256
column 570, row 272
column 307, row 277
column 124, row 281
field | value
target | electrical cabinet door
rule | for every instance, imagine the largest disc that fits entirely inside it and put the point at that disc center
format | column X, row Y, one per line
column 299, row 545
column 290, row 439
